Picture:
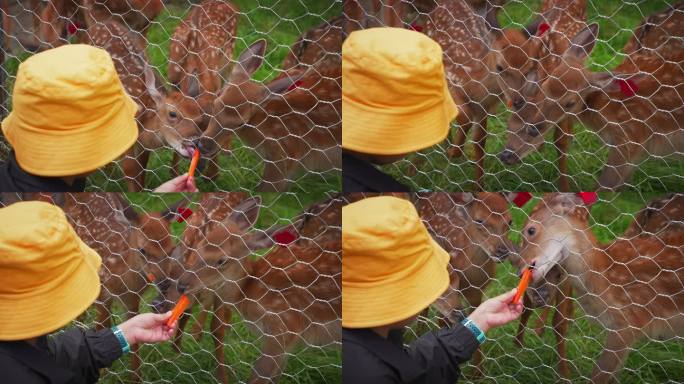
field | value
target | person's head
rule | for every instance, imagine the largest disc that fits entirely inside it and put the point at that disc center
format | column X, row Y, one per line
column 70, row 113
column 395, row 99
column 49, row 276
column 392, row 269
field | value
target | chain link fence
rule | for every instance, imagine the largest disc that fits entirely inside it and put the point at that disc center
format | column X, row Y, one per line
column 263, row 273
column 621, row 273
column 553, row 95
column 274, row 65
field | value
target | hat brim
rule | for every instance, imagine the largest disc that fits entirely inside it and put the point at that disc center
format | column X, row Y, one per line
column 40, row 313
column 385, row 132
column 51, row 154
column 398, row 300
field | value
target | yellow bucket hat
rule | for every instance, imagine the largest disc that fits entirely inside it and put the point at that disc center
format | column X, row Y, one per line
column 395, row 98
column 49, row 276
column 70, row 113
column 392, row 269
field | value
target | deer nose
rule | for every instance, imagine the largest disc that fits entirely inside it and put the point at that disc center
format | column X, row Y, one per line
column 518, row 103
column 508, row 157
column 181, row 287
column 533, row 130
column 205, row 145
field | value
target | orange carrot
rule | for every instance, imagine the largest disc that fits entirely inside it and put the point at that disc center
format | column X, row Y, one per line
column 522, row 286
column 178, row 310
column 193, row 163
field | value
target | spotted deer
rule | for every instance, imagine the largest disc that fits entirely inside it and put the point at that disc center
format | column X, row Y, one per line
column 142, row 83
column 465, row 36
column 633, row 287
column 634, row 109
column 524, row 58
column 137, row 15
column 133, row 247
column 294, row 121
column 659, row 217
column 290, row 296
column 200, row 49
column 210, row 211
column 473, row 229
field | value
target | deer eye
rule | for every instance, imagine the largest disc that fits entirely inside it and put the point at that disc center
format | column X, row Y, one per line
column 479, row 222
column 531, row 231
column 173, row 114
column 569, row 104
column 143, row 251
column 499, row 68
column 510, row 223
column 223, row 261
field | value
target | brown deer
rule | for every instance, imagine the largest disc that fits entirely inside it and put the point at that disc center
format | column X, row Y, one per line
column 473, row 229
column 524, row 58
column 634, row 108
column 465, row 38
column 142, row 84
column 137, row 15
column 294, row 121
column 201, row 48
column 291, row 295
column 632, row 287
column 659, row 217
column 132, row 247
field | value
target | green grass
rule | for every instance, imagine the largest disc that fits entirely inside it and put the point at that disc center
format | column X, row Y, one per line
column 538, row 171
column 196, row 363
column 652, row 361
column 280, row 22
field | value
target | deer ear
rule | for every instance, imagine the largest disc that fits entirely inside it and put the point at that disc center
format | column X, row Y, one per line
column 461, row 208
column 246, row 214
column 583, row 42
column 258, row 240
column 251, row 59
column 564, row 203
column 610, row 83
column 193, row 88
column 151, row 85
column 279, row 86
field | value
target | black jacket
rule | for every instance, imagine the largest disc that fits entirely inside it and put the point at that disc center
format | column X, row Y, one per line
column 433, row 358
column 71, row 357
column 15, row 179
column 361, row 176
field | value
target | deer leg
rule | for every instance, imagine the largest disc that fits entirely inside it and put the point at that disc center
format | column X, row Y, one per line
column 458, row 140
column 621, row 164
column 182, row 322
column 134, row 165
column 562, row 140
column 218, row 331
column 561, row 321
column 198, row 326
column 524, row 318
column 276, row 176
column 612, row 358
column 542, row 320
column 271, row 363
column 392, row 13
column 354, row 15
column 480, row 138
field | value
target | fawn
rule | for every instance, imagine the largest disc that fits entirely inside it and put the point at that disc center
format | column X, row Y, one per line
column 201, row 47
column 524, row 59
column 291, row 295
column 632, row 287
column 465, row 37
column 136, row 15
column 132, row 247
column 294, row 121
column 474, row 230
column 142, row 84
column 634, row 108
column 659, row 217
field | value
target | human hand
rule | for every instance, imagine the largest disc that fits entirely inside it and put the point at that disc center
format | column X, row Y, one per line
column 182, row 183
column 147, row 328
column 496, row 311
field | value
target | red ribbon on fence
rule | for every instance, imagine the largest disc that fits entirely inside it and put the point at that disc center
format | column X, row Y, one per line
column 627, row 86
column 183, row 214
column 542, row 29
column 522, row 198
column 284, row 237
column 416, row 27
column 294, row 85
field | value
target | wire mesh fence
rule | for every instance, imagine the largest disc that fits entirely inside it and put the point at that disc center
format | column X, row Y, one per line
column 608, row 291
column 553, row 95
column 263, row 274
column 278, row 123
